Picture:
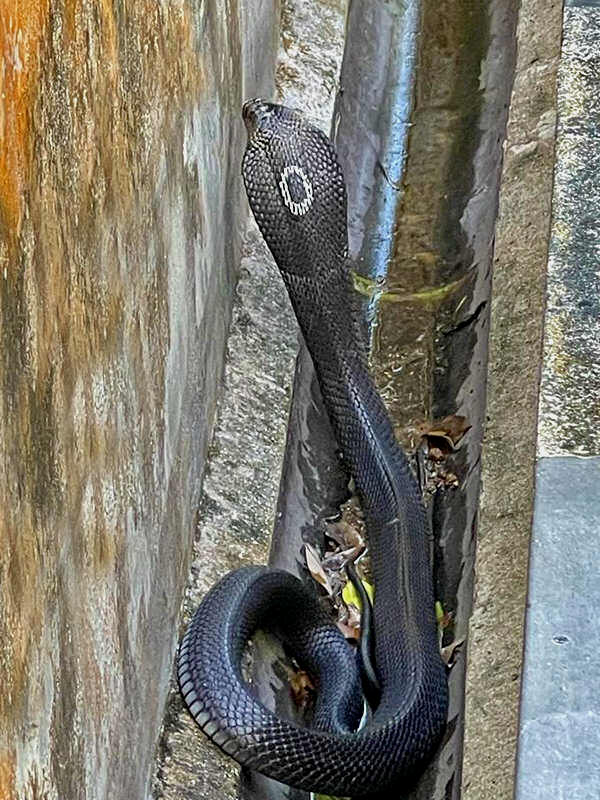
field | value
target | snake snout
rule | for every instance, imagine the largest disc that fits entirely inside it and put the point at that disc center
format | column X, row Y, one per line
column 255, row 112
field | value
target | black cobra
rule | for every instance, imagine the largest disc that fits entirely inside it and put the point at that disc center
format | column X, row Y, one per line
column 297, row 193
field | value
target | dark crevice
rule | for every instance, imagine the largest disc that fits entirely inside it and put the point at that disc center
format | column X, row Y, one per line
column 467, row 322
column 415, row 81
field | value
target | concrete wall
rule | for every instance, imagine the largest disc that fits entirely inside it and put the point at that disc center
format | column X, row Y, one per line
column 120, row 219
column 239, row 503
column 508, row 455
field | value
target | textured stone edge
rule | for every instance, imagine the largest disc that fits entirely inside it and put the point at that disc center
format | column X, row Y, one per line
column 569, row 412
column 508, row 459
column 560, row 709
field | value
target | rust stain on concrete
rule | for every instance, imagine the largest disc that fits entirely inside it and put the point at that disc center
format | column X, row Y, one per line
column 94, row 103
column 83, row 137
column 7, row 775
column 22, row 31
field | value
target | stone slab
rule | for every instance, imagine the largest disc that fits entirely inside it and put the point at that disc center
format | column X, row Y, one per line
column 559, row 730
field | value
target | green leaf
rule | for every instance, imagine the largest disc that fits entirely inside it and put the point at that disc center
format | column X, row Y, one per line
column 328, row 797
column 439, row 612
column 351, row 597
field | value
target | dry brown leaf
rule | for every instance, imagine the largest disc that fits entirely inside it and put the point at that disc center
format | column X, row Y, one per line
column 349, row 631
column 445, row 433
column 446, row 620
column 336, row 562
column 449, row 479
column 345, row 534
column 302, row 688
column 315, row 567
column 349, row 623
column 435, row 454
column 447, row 652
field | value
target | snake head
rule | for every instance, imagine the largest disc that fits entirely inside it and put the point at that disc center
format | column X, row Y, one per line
column 266, row 120
column 295, row 188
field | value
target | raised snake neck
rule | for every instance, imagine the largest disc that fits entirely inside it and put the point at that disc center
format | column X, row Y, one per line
column 297, row 193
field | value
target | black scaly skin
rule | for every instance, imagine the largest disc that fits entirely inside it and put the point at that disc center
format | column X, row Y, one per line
column 308, row 239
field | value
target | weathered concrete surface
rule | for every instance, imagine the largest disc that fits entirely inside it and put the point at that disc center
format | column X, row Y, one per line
column 238, row 497
column 496, row 627
column 119, row 219
column 559, row 730
column 569, row 422
column 239, row 494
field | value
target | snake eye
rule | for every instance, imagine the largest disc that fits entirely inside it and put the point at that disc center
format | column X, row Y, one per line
column 256, row 111
column 265, row 109
column 258, row 118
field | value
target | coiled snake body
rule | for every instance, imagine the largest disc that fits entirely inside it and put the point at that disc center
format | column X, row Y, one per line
column 296, row 190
